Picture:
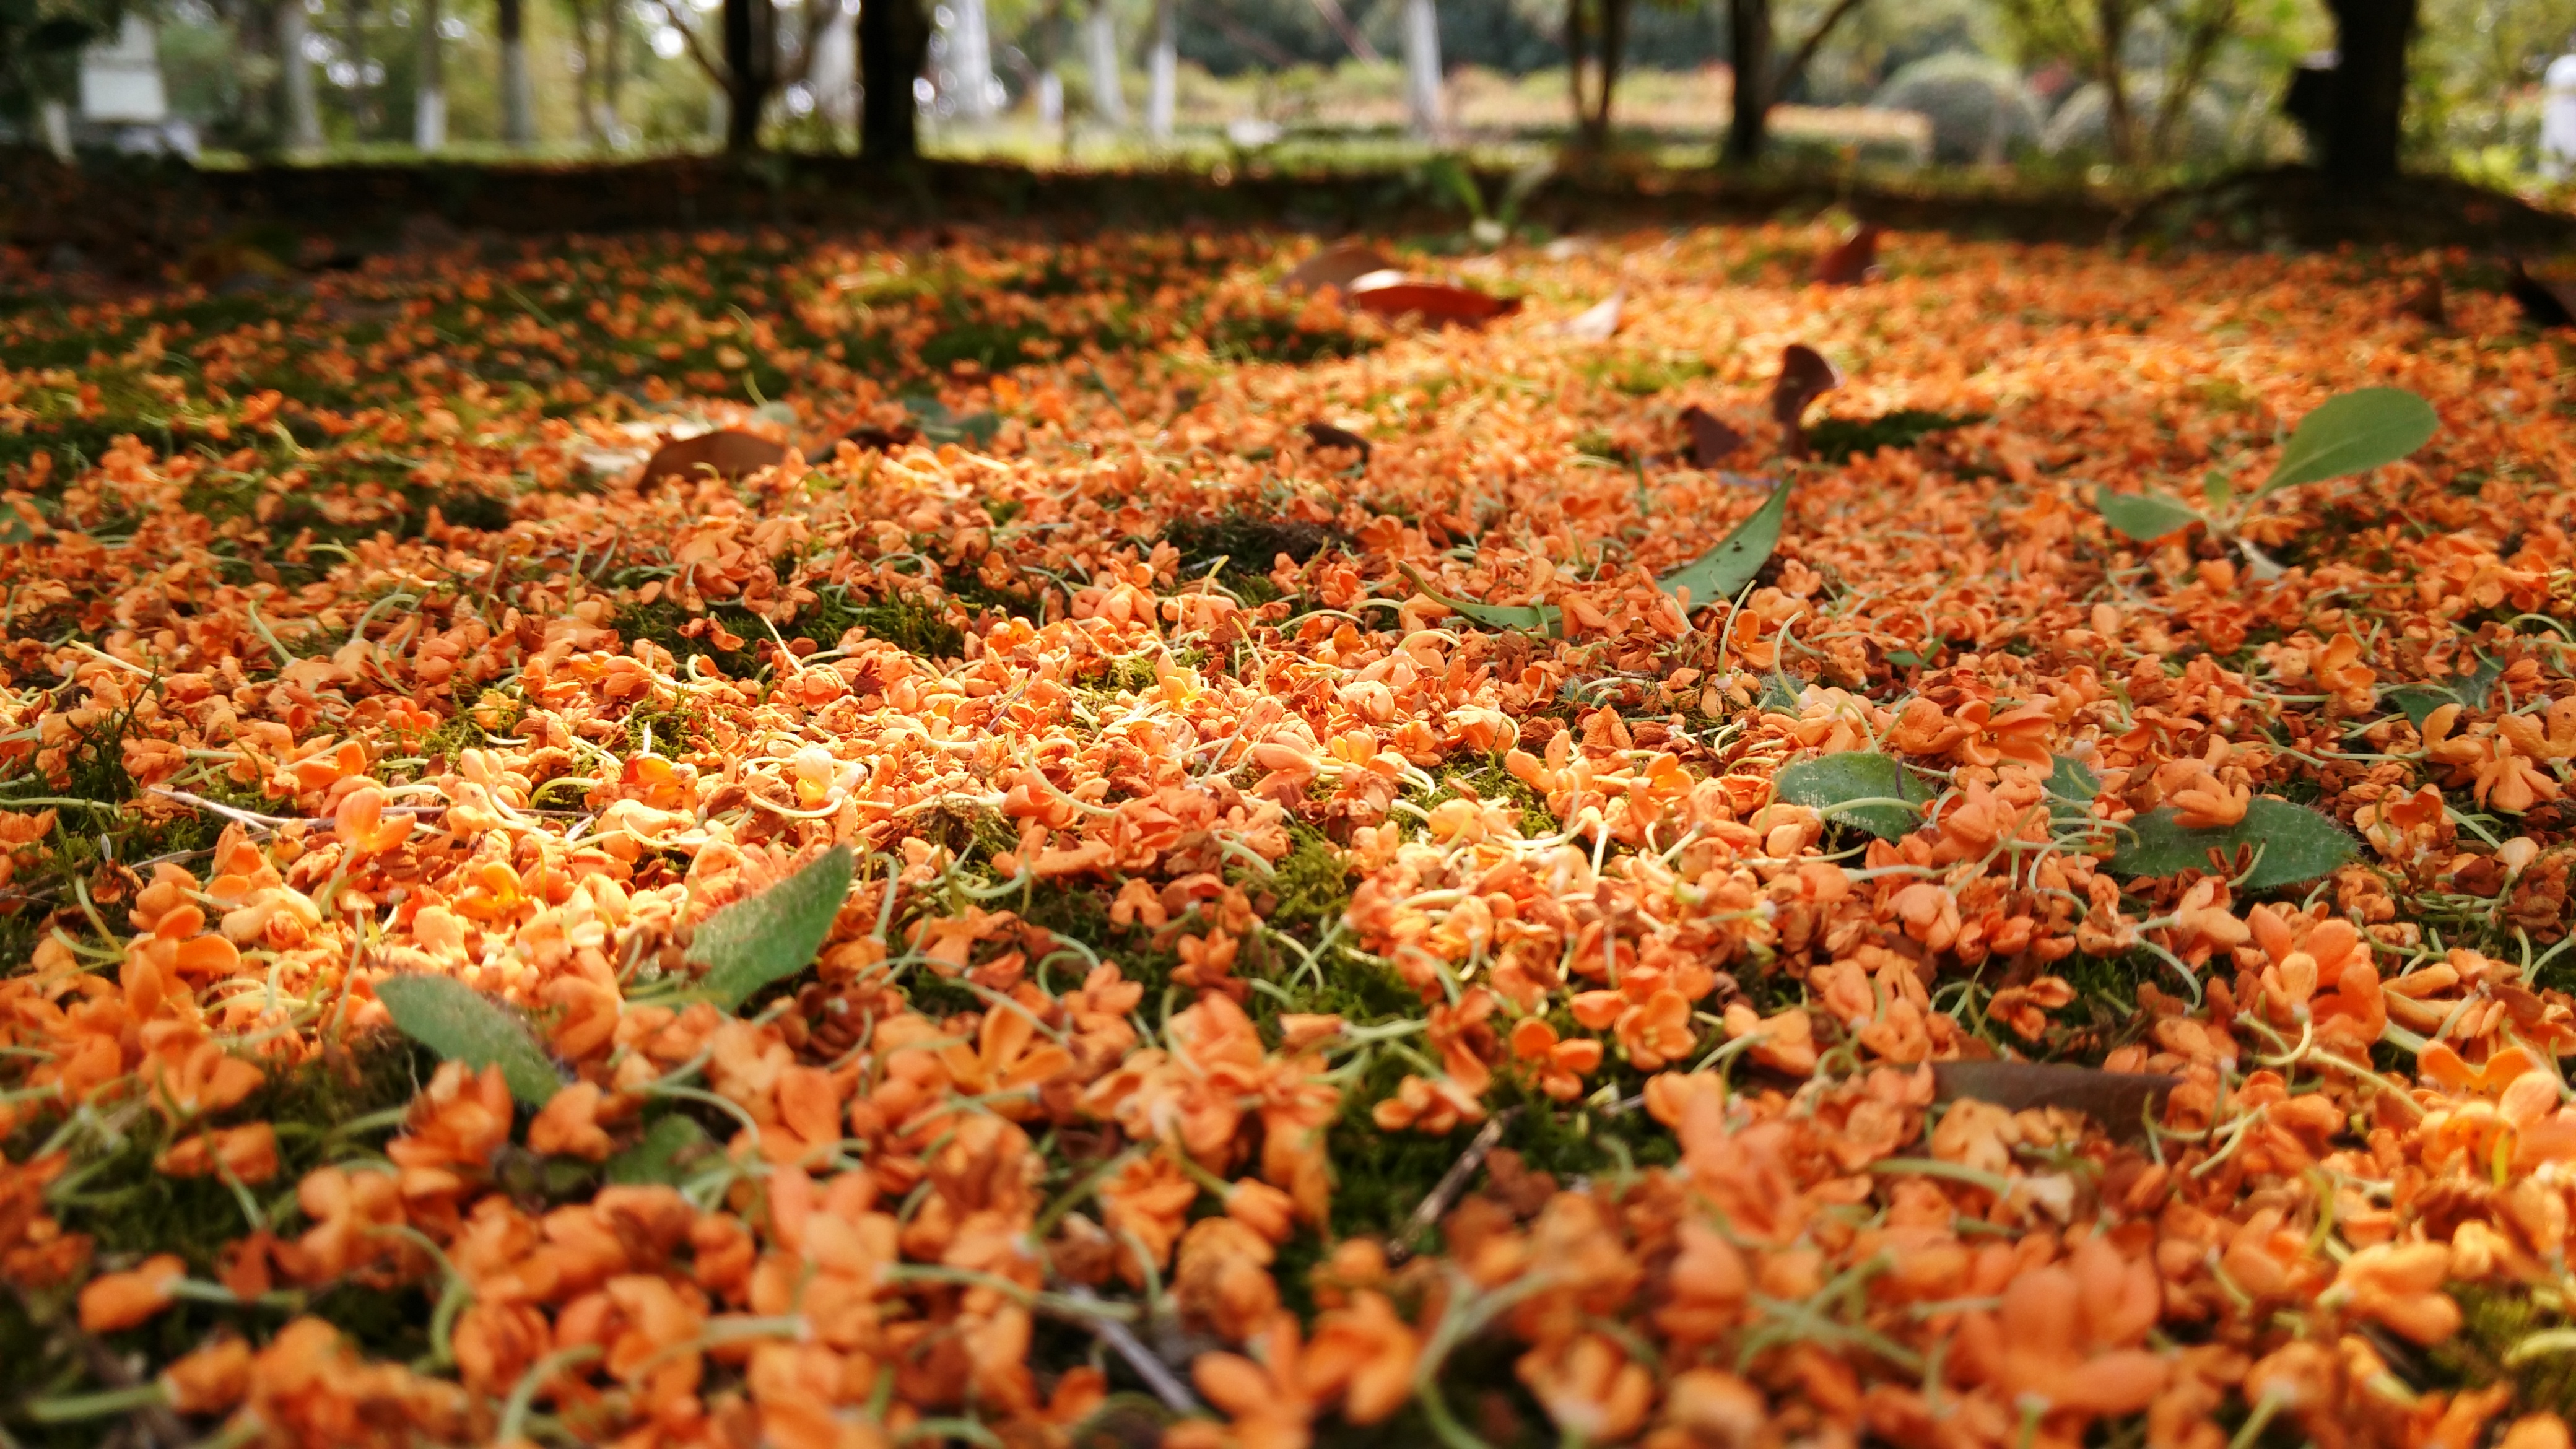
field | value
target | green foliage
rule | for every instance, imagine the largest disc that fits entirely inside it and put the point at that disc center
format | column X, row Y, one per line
column 1725, row 569
column 1545, row 619
column 672, row 1145
column 2350, row 432
column 1833, row 439
column 2296, row 844
column 2145, row 517
column 2353, row 432
column 773, row 935
column 462, row 1024
column 1837, row 785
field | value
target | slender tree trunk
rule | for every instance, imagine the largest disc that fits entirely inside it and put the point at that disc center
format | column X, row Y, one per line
column 363, row 118
column 518, row 95
column 1422, row 66
column 1100, row 42
column 1614, row 45
column 1748, row 22
column 970, row 49
column 1575, row 46
column 751, row 69
column 1162, row 75
column 302, row 120
column 429, row 97
column 612, row 70
column 2365, row 119
column 585, row 80
column 2117, row 121
column 894, row 39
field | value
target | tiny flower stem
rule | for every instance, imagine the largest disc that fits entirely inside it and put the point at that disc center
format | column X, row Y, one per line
column 73, row 1408
column 2272, row 1402
column 523, row 1394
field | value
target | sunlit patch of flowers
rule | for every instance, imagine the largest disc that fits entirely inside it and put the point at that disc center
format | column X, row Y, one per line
column 1221, row 890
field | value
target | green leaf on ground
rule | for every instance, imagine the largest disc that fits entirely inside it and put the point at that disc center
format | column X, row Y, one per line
column 1723, row 571
column 1837, row 784
column 2352, row 432
column 2418, row 701
column 773, row 935
column 1532, row 618
column 2071, row 788
column 2145, row 517
column 664, row 1155
column 2297, row 844
column 462, row 1024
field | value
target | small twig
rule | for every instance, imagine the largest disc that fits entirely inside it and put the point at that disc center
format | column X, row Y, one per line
column 247, row 817
column 1453, row 1182
column 1158, row 1375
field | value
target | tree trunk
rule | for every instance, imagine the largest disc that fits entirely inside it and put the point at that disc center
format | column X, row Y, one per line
column 1422, row 66
column 2120, row 126
column 1748, row 24
column 2367, row 102
column 1614, row 44
column 429, row 96
column 364, row 118
column 612, row 73
column 1162, row 75
column 970, row 50
column 585, row 80
column 302, row 120
column 518, row 95
column 894, row 39
column 1100, row 41
column 751, row 69
column 1575, row 45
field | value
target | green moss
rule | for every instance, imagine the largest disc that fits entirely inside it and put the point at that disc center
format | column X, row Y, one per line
column 1492, row 780
column 911, row 625
column 2493, row 1321
column 1834, row 439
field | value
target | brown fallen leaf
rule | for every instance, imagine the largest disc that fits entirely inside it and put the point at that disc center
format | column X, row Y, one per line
column 2547, row 301
column 1394, row 294
column 1852, row 260
column 882, row 439
column 1325, row 435
column 1711, row 441
column 2117, row 1100
column 729, row 453
column 1334, row 267
column 2425, row 304
column 1805, row 376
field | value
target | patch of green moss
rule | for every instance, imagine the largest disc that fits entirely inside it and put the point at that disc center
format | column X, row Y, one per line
column 1492, row 780
column 1834, row 439
column 1249, row 543
column 2493, row 1321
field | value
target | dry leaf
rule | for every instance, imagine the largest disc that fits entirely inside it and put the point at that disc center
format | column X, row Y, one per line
column 1711, row 441
column 1335, row 267
column 2425, row 304
column 1597, row 323
column 2117, row 1100
column 1325, row 435
column 2545, row 300
column 730, row 453
column 882, row 439
column 1852, row 260
column 1394, row 294
column 1805, row 376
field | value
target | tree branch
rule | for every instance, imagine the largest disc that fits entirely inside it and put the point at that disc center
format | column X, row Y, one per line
column 715, row 72
column 1359, row 45
column 818, row 16
column 1788, row 74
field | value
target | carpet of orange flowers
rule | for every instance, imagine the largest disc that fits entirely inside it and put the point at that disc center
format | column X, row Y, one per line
column 1273, row 1008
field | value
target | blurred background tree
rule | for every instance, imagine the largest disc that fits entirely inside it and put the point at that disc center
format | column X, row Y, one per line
column 2152, row 88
